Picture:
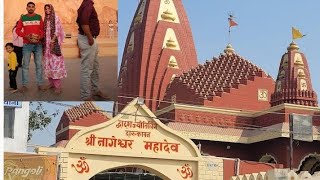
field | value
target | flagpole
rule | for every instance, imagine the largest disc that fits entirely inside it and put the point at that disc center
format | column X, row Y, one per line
column 231, row 23
column 229, row 35
column 292, row 34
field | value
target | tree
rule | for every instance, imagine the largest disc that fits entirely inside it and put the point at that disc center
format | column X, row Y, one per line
column 39, row 118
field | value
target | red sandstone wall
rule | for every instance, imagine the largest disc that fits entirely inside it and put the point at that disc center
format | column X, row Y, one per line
column 208, row 118
column 270, row 119
column 246, row 96
column 219, row 149
column 278, row 148
column 316, row 119
column 283, row 116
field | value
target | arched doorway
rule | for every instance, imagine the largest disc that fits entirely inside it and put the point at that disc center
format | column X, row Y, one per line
column 310, row 163
column 127, row 173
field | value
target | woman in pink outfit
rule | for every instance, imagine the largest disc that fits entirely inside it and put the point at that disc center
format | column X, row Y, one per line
column 53, row 60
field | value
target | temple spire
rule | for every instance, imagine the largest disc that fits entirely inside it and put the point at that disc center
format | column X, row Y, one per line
column 293, row 84
column 159, row 46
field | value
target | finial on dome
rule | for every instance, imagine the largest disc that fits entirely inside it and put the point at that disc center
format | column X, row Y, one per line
column 293, row 47
column 229, row 50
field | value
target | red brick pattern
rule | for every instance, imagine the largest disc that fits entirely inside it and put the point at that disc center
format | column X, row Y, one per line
column 278, row 148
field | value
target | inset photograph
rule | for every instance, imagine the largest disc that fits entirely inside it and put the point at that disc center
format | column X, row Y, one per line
column 60, row 50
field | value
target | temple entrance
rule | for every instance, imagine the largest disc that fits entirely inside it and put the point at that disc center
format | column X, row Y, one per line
column 129, row 148
column 311, row 164
column 126, row 173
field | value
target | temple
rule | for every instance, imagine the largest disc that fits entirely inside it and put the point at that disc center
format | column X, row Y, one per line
column 234, row 109
column 229, row 105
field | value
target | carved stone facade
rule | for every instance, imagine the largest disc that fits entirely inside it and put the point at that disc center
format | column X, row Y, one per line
column 228, row 104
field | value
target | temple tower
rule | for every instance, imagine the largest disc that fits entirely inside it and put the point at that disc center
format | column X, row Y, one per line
column 159, row 46
column 293, row 83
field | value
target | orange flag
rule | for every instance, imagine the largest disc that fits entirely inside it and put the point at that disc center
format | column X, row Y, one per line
column 232, row 22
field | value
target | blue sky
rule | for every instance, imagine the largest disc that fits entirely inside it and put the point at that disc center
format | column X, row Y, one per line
column 263, row 34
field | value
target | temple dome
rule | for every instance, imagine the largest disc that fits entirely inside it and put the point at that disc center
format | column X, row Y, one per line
column 221, row 81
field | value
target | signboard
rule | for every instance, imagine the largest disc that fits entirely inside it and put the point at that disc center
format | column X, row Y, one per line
column 18, row 166
column 213, row 166
column 302, row 127
column 17, row 104
column 134, row 135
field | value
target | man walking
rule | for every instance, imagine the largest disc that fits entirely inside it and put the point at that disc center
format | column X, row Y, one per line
column 89, row 29
column 30, row 28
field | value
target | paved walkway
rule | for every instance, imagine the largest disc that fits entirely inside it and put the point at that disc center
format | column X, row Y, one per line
column 70, row 85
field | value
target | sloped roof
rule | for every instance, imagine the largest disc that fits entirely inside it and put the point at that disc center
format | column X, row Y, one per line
column 82, row 110
column 219, row 75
